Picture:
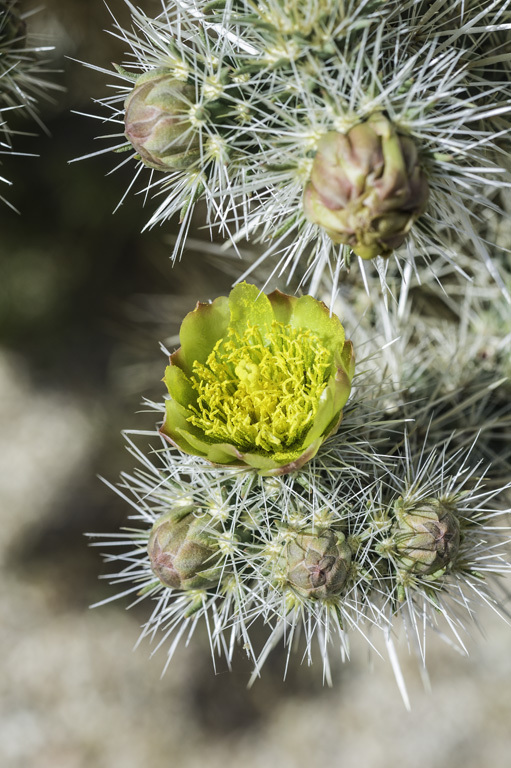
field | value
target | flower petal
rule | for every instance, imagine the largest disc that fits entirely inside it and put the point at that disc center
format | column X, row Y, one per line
column 179, row 386
column 200, row 331
column 315, row 315
column 326, row 414
column 217, row 453
column 249, row 307
column 177, row 429
column 347, row 360
column 282, row 305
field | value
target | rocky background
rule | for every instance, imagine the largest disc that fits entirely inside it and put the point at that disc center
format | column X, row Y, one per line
column 84, row 301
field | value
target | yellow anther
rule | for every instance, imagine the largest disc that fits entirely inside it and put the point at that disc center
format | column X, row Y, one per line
column 261, row 389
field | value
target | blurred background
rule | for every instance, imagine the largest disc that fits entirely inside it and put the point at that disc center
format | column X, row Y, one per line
column 85, row 300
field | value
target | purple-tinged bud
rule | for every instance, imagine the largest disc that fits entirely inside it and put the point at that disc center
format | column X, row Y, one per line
column 426, row 535
column 183, row 554
column 367, row 187
column 157, row 122
column 317, row 565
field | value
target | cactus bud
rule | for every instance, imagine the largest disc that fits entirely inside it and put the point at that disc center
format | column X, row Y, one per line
column 157, row 122
column 426, row 535
column 182, row 554
column 317, row 565
column 367, row 187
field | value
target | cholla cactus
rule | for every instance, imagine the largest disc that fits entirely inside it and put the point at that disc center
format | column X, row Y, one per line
column 319, row 551
column 444, row 351
column 380, row 526
column 316, row 565
column 373, row 126
column 23, row 74
column 426, row 535
column 271, row 87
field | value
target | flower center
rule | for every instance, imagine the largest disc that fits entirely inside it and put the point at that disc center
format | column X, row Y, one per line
column 261, row 390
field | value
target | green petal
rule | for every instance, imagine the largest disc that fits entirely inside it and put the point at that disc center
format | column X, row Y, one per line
column 176, row 358
column 217, row 453
column 342, row 388
column 313, row 314
column 327, row 413
column 332, row 401
column 346, row 360
column 282, row 305
column 200, row 331
column 223, row 453
column 179, row 386
column 177, row 428
column 249, row 307
column 260, row 462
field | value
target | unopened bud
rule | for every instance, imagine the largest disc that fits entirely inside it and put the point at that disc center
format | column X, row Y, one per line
column 317, row 565
column 157, row 122
column 182, row 554
column 367, row 187
column 426, row 535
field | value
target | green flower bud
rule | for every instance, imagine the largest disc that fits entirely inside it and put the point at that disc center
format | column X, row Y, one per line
column 317, row 565
column 157, row 122
column 426, row 535
column 367, row 187
column 182, row 553
column 259, row 381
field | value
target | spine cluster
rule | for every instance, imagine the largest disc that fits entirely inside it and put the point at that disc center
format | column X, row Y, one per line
column 368, row 129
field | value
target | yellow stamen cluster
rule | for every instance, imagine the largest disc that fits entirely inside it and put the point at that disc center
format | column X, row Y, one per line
column 261, row 390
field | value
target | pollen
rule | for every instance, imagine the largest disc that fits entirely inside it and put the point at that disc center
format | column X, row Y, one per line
column 261, row 390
